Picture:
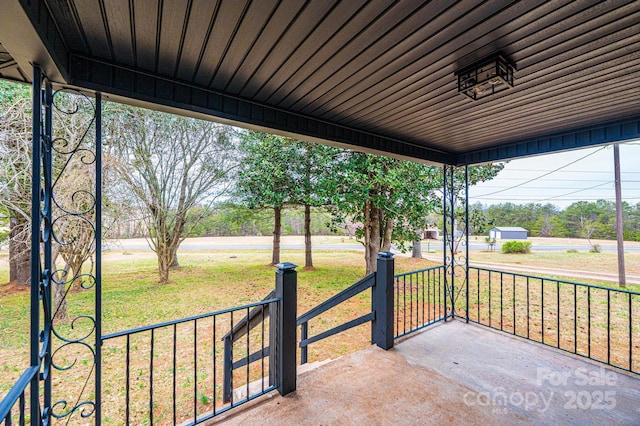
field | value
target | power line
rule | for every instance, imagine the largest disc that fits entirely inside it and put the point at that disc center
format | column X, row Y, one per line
column 529, row 200
column 555, row 188
column 556, row 180
column 568, row 171
column 548, row 173
column 579, row 190
column 567, row 193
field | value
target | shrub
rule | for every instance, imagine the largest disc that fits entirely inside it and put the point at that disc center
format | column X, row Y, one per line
column 516, row 247
column 572, row 251
column 595, row 248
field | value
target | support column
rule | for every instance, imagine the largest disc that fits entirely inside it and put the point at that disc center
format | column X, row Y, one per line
column 286, row 291
column 382, row 302
column 48, row 268
column 98, row 297
column 455, row 239
column 35, row 239
column 466, row 237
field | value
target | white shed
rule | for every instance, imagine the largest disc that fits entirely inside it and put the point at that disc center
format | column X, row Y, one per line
column 508, row 233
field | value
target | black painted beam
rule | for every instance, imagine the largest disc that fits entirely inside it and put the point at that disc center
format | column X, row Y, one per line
column 134, row 84
column 597, row 134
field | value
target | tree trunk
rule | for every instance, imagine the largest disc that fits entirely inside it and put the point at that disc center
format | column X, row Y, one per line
column 165, row 259
column 372, row 237
column 60, row 302
column 388, row 232
column 174, row 262
column 308, row 260
column 417, row 249
column 59, row 290
column 277, row 230
column 163, row 269
column 19, row 253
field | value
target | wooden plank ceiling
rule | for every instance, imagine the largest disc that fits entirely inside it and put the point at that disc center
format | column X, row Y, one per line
column 380, row 67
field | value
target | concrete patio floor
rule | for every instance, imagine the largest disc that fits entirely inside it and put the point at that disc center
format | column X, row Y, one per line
column 453, row 373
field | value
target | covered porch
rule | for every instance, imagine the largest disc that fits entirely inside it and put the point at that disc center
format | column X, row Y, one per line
column 453, row 373
column 453, row 84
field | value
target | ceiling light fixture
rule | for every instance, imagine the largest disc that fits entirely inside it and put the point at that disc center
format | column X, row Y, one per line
column 486, row 77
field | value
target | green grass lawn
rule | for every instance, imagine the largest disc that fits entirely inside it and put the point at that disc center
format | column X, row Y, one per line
column 583, row 261
column 204, row 283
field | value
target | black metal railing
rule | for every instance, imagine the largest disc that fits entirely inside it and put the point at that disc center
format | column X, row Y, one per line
column 173, row 372
column 346, row 294
column 420, row 300
column 380, row 316
column 14, row 408
column 242, row 328
column 591, row 321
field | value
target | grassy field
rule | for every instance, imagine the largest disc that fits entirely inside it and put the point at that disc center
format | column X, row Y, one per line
column 605, row 262
column 209, row 281
column 205, row 282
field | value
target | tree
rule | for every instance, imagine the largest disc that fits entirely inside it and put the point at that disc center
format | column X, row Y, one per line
column 170, row 164
column 4, row 221
column 73, row 180
column 265, row 178
column 312, row 174
column 15, row 175
column 387, row 200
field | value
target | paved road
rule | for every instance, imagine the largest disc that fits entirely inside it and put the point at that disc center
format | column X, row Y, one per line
column 194, row 245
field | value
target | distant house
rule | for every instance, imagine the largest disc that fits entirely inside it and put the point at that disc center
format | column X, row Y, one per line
column 508, row 233
column 431, row 233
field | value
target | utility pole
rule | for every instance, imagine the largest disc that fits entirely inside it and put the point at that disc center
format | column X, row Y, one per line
column 619, row 225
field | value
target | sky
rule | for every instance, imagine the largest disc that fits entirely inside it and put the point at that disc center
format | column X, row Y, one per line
column 564, row 178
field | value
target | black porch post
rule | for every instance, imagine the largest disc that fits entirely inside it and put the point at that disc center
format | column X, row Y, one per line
column 444, row 235
column 382, row 301
column 36, row 157
column 98, row 298
column 466, row 236
column 286, row 291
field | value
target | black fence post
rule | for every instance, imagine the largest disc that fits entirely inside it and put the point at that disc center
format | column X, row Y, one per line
column 286, row 291
column 382, row 301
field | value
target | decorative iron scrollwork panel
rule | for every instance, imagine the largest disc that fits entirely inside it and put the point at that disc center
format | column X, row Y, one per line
column 69, row 231
column 455, row 212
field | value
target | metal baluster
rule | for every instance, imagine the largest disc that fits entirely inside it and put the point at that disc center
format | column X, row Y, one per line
column 248, row 352
column 304, row 335
column 501, row 307
column 630, row 334
column 558, row 312
column 175, row 339
column 21, row 413
column 410, row 302
column 151, row 379
column 478, row 283
column 542, row 307
column 404, row 304
column 214, row 364
column 230, row 360
column 195, row 370
column 608, row 326
column 127, row 379
column 589, row 322
column 490, row 324
column 514, row 304
column 528, row 317
column 397, row 309
column 575, row 319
